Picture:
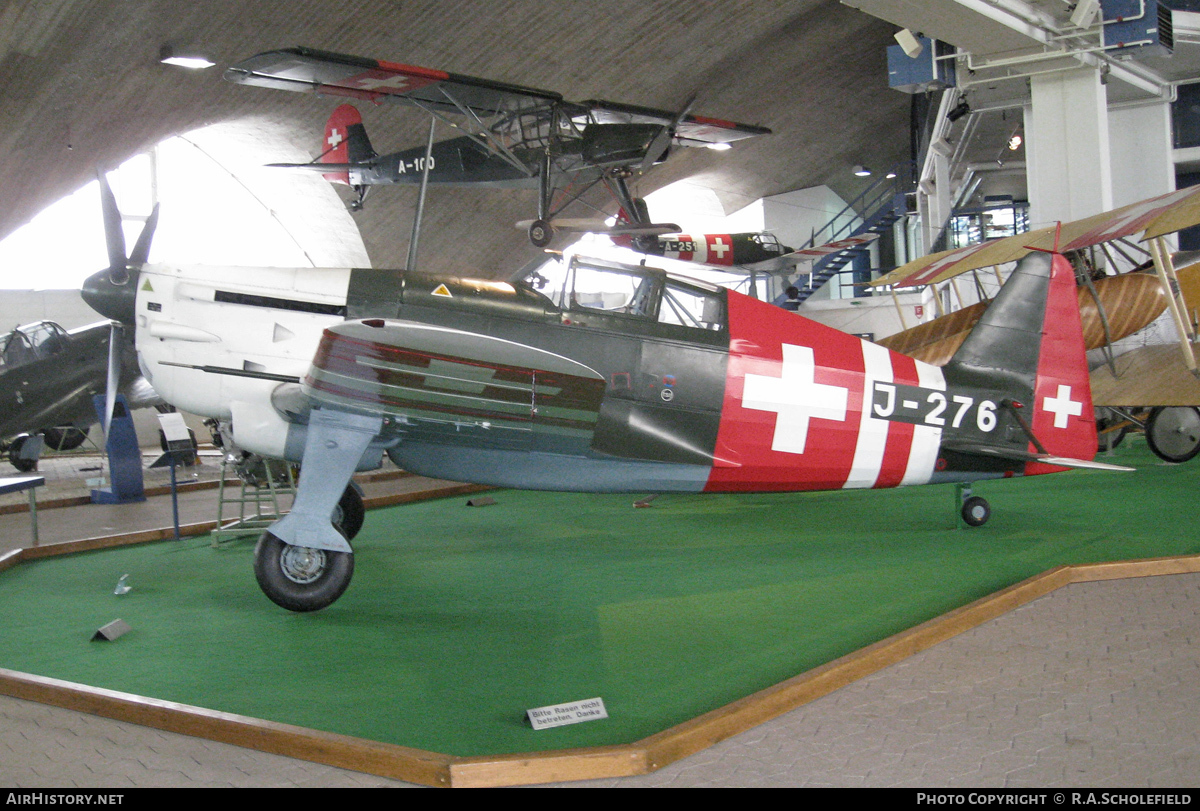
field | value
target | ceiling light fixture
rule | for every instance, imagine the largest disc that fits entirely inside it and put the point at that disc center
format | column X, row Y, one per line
column 171, row 55
column 862, row 171
column 1014, row 143
column 720, row 146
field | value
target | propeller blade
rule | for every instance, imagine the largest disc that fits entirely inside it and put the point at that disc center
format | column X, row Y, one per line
column 114, row 235
column 662, row 141
column 114, row 375
column 141, row 250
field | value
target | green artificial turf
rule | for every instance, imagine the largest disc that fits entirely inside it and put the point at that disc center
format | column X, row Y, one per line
column 461, row 618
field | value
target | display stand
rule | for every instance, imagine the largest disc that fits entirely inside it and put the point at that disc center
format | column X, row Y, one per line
column 124, row 456
column 264, row 498
column 180, row 450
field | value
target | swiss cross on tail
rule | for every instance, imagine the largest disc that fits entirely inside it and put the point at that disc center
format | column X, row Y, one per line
column 1063, row 419
column 337, row 139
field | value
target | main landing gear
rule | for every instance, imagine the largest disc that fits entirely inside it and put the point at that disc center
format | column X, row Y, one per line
column 304, row 561
column 303, row 578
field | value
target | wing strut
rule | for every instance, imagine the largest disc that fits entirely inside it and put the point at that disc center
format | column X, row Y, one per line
column 1166, row 275
column 416, row 232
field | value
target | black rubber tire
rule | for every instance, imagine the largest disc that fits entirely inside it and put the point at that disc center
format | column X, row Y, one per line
column 976, row 511
column 1173, row 432
column 64, row 438
column 331, row 573
column 349, row 514
column 14, row 456
column 1106, row 434
column 541, row 233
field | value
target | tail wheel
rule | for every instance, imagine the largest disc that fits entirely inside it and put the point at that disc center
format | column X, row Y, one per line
column 541, row 233
column 300, row 578
column 976, row 511
column 1173, row 433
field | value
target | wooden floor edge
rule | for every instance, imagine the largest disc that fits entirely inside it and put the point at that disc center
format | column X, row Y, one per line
column 342, row 751
column 641, row 757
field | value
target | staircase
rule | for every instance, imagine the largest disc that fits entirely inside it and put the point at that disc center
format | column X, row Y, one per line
column 885, row 203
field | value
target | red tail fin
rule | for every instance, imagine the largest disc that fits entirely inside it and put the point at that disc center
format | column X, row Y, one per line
column 335, row 148
column 1063, row 418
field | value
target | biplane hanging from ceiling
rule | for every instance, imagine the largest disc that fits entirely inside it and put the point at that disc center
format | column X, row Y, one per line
column 1112, row 307
column 511, row 135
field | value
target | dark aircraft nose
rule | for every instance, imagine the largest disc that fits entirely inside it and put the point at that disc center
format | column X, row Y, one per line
column 112, row 300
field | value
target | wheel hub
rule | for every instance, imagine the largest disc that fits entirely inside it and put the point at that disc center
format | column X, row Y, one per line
column 302, row 564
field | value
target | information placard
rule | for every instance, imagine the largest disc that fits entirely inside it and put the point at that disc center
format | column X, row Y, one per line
column 558, row 715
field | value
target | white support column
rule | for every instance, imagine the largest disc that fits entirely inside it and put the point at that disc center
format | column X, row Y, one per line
column 1067, row 147
column 1140, row 139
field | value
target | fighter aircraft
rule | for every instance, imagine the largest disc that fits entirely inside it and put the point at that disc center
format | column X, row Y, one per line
column 512, row 135
column 48, row 376
column 759, row 251
column 606, row 378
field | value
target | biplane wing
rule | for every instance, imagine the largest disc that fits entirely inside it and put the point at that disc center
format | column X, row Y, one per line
column 1157, row 216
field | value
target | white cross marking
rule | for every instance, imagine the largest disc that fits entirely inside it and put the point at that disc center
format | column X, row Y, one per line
column 393, row 82
column 334, row 138
column 718, row 247
column 1062, row 406
column 795, row 397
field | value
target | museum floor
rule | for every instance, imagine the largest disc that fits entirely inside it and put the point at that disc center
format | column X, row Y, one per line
column 1092, row 685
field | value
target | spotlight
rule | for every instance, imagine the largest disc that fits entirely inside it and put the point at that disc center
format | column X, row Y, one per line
column 961, row 109
column 1014, row 143
column 909, row 43
column 862, row 171
column 172, row 55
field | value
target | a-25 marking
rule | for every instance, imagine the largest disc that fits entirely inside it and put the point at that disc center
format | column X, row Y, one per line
column 921, row 406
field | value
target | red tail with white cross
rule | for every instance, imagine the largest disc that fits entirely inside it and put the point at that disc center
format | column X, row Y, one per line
column 1063, row 419
column 335, row 147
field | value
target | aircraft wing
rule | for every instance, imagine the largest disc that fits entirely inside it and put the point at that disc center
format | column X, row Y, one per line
column 430, row 379
column 1160, row 215
column 691, row 130
column 937, row 267
column 307, row 70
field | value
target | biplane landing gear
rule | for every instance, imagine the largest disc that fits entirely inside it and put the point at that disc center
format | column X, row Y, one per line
column 541, row 233
column 300, row 578
column 1173, row 432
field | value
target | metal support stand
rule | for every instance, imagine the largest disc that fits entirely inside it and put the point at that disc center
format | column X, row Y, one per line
column 264, row 499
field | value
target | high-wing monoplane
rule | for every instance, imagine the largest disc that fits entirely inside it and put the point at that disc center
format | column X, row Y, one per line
column 512, row 135
column 605, row 378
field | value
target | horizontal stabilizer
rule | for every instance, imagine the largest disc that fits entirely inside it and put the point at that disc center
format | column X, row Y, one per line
column 322, row 167
column 594, row 226
column 1016, row 454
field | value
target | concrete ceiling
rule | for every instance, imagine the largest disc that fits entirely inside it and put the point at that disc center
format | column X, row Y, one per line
column 81, row 86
